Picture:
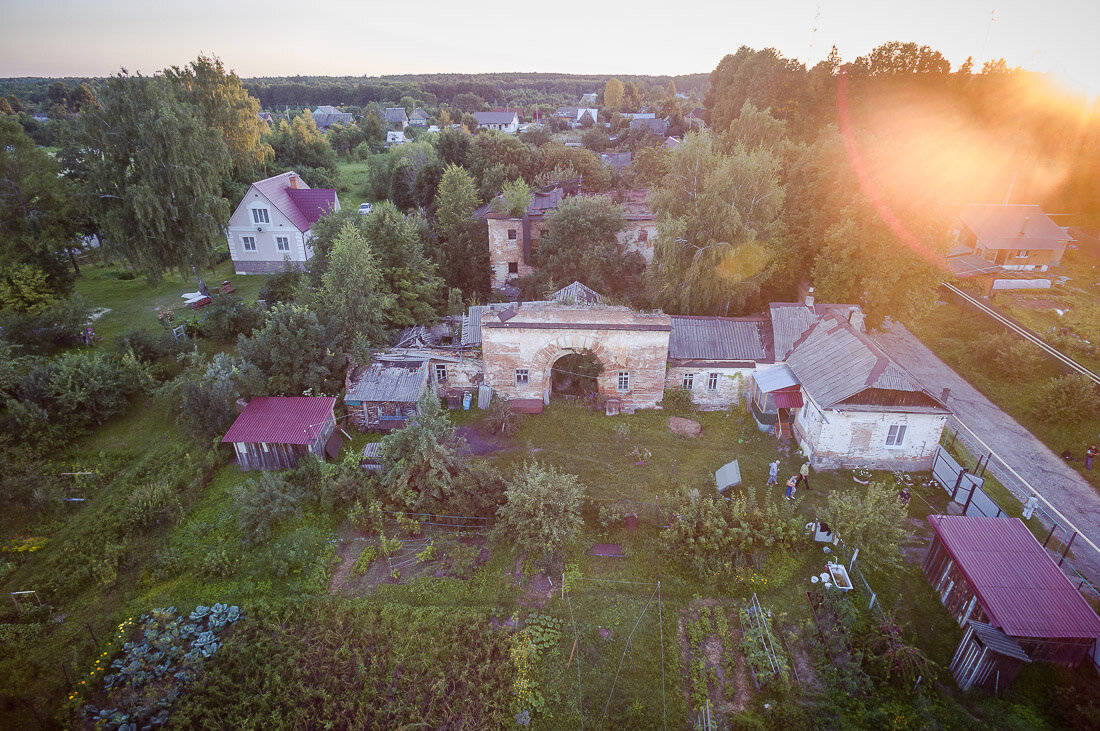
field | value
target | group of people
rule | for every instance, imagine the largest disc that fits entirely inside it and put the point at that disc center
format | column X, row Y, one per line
column 803, row 476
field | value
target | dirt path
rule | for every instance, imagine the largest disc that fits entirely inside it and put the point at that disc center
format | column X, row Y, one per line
column 1041, row 467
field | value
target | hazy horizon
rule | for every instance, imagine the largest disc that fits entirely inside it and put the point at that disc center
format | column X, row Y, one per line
column 53, row 38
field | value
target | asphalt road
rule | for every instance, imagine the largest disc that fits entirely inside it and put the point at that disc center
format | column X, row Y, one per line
column 1045, row 471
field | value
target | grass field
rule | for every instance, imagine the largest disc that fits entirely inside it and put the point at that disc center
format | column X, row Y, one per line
column 352, row 183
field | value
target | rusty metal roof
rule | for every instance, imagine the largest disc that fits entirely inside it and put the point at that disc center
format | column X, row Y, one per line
column 716, row 338
column 282, row 420
column 384, row 382
column 1021, row 589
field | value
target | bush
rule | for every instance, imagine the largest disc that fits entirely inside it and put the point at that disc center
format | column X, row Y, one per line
column 62, row 324
column 147, row 346
column 262, row 503
column 542, row 512
column 1066, row 400
column 281, row 287
column 677, row 401
column 227, row 317
column 501, row 419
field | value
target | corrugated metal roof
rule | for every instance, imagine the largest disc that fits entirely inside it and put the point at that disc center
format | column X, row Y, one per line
column 789, row 399
column 775, row 378
column 495, row 117
column 1021, row 589
column 282, row 420
column 998, row 641
column 790, row 320
column 313, row 202
column 1014, row 227
column 382, row 382
column 716, row 338
column 833, row 362
column 471, row 323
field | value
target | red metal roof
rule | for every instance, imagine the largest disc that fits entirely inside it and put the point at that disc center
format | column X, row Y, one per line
column 788, row 398
column 282, row 420
column 315, row 202
column 1021, row 589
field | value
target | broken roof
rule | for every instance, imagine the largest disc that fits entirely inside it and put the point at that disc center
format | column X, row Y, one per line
column 1013, row 227
column 282, row 420
column 391, row 383
column 716, row 338
column 578, row 293
column 302, row 205
column 1020, row 588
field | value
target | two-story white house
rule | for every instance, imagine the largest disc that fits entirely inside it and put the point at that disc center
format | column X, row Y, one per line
column 270, row 229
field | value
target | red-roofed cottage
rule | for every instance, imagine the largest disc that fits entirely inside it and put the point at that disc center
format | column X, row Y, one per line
column 273, row 432
column 272, row 223
column 1015, row 603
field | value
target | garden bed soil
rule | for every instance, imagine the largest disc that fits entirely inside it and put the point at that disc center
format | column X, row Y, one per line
column 538, row 592
column 804, row 672
column 731, row 694
column 479, row 445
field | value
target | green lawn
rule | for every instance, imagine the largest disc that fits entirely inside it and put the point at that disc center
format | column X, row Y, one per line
column 351, row 183
column 132, row 304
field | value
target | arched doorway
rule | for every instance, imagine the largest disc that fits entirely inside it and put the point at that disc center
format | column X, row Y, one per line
column 575, row 374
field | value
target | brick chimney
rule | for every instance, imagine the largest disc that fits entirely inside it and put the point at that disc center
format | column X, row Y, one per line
column 293, row 181
column 810, row 298
column 855, row 319
column 944, row 395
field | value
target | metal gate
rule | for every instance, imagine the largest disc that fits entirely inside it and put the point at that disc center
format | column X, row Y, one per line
column 964, row 487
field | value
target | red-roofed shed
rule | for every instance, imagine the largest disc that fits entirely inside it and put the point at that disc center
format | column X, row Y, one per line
column 274, row 432
column 992, row 571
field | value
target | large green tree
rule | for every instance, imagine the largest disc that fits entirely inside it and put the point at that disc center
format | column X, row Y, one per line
column 152, row 173
column 421, row 461
column 37, row 222
column 224, row 104
column 300, row 146
column 352, row 298
column 291, row 355
column 462, row 255
column 719, row 216
column 582, row 244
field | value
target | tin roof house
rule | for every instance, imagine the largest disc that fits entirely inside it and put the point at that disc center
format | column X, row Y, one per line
column 274, row 432
column 1013, row 237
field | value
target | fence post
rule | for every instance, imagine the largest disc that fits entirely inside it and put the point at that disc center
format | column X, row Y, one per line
column 1052, row 527
column 872, row 604
column 1066, row 549
column 969, row 497
column 958, row 483
column 853, row 561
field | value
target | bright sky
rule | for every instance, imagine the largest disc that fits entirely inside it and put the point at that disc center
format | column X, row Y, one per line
column 347, row 38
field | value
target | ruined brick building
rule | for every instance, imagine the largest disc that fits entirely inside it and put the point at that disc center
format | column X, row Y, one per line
column 805, row 372
column 514, row 240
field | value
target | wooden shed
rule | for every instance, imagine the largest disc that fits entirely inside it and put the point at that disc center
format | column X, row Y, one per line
column 383, row 396
column 995, row 579
column 273, row 432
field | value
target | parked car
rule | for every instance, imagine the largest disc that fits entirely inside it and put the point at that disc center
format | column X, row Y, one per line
column 365, row 208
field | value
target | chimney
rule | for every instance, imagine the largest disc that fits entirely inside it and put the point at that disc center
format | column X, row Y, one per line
column 944, row 395
column 1023, row 226
column 855, row 319
column 810, row 298
column 293, row 181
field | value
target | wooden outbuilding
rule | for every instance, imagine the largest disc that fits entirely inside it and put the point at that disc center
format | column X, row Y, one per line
column 996, row 580
column 383, row 396
column 274, row 432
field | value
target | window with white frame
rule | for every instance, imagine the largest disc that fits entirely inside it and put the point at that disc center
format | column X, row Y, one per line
column 688, row 383
column 248, row 243
column 1022, row 254
column 712, row 381
column 895, row 437
column 523, row 376
column 282, row 243
column 441, row 372
column 624, row 380
column 259, row 215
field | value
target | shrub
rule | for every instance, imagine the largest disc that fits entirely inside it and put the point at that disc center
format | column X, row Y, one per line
column 1066, row 399
column 227, row 317
column 262, row 503
column 677, row 401
column 542, row 512
column 281, row 287
column 501, row 419
column 364, row 560
column 148, row 346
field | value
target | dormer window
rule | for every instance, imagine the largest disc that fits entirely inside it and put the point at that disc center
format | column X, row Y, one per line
column 259, row 215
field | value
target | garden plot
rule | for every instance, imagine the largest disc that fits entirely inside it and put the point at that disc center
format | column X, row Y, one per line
column 714, row 667
column 609, row 668
column 366, row 562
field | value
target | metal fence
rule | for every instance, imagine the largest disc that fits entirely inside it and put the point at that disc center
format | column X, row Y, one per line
column 440, row 522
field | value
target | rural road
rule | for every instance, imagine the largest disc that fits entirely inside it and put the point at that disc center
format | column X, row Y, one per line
column 1046, row 472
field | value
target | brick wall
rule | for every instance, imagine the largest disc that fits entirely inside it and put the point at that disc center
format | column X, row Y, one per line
column 538, row 335
column 731, row 381
column 831, row 444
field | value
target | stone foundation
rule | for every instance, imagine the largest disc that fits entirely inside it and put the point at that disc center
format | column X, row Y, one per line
column 266, row 267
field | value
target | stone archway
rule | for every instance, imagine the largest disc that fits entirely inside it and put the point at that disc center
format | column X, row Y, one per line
column 521, row 348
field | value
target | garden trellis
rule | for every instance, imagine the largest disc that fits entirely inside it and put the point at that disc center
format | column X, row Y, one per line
column 757, row 630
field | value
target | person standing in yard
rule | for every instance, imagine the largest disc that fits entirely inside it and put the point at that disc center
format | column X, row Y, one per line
column 804, row 475
column 1090, row 455
column 773, row 473
column 792, row 486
